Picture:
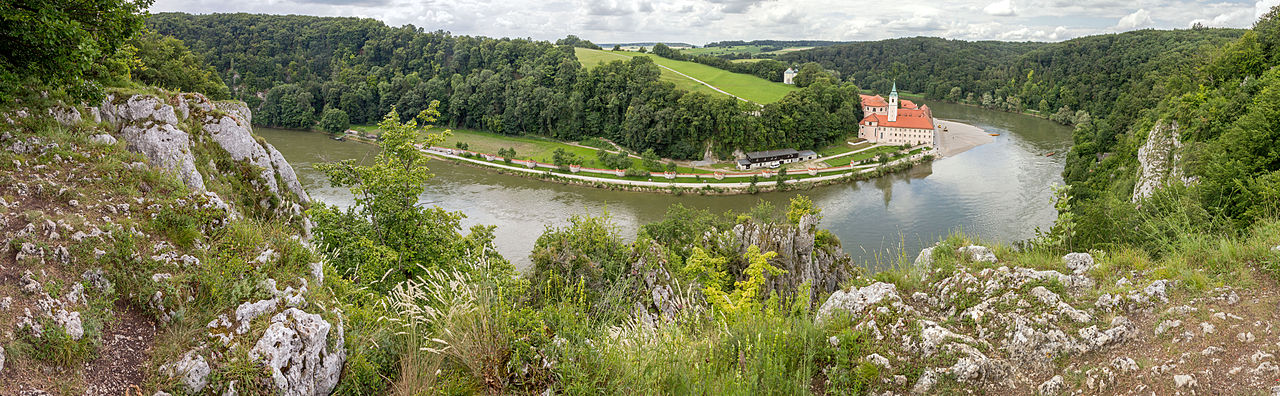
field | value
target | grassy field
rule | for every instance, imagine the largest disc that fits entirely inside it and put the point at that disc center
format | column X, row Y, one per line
column 843, row 147
column 591, row 58
column 745, row 86
column 713, row 51
column 842, row 161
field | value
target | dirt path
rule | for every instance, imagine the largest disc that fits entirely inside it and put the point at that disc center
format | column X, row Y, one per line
column 122, row 361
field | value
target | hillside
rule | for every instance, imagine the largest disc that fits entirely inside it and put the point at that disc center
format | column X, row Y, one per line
column 744, row 86
column 363, row 68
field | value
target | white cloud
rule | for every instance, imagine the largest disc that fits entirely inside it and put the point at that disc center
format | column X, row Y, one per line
column 1000, row 8
column 1262, row 7
column 1138, row 19
column 702, row 21
column 1228, row 19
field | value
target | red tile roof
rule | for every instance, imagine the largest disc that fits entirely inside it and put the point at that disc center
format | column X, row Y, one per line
column 907, row 104
column 873, row 101
column 914, row 119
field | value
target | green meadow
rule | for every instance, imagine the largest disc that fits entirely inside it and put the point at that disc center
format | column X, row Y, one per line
column 745, row 86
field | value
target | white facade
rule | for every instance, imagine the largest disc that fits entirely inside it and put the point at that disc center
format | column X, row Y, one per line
column 789, row 76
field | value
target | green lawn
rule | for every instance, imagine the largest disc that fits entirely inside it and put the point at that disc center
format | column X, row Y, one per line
column 591, row 58
column 744, row 86
column 842, row 161
column 842, row 147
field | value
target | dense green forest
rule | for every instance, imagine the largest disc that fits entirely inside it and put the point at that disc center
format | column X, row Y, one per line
column 1101, row 75
column 292, row 68
column 1225, row 108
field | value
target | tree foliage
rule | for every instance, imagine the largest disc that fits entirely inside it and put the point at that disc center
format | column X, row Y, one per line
column 334, row 121
column 166, row 62
column 73, row 45
column 386, row 237
column 509, row 86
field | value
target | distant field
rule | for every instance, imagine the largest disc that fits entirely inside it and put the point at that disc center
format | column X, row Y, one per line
column 737, row 49
column 748, row 60
column 744, row 86
column 591, row 58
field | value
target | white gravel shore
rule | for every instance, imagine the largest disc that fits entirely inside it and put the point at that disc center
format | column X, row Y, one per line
column 958, row 138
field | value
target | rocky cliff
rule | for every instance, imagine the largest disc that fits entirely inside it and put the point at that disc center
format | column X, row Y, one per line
column 153, row 244
column 799, row 254
column 978, row 322
column 1160, row 160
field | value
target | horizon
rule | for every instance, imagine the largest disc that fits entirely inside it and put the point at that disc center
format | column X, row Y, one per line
column 699, row 22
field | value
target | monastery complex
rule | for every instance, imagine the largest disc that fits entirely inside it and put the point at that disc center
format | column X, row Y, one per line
column 895, row 122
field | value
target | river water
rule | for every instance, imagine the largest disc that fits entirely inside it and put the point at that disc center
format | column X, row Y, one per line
column 1000, row 191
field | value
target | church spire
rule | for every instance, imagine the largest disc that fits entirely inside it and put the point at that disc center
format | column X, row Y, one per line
column 893, row 103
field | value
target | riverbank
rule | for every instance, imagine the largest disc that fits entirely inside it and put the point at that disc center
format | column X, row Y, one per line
column 717, row 184
column 958, row 138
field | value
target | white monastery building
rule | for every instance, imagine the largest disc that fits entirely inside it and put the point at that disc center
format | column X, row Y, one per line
column 896, row 123
column 789, row 76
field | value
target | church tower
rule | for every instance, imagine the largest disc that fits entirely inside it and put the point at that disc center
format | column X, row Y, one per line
column 893, row 103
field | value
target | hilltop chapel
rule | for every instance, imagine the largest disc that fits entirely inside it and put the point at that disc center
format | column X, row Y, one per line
column 896, row 122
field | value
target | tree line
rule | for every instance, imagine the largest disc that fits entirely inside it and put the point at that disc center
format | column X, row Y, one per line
column 295, row 68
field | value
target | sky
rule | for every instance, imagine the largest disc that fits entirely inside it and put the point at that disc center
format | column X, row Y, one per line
column 701, row 21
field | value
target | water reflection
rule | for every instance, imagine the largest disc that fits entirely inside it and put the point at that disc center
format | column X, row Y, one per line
column 999, row 191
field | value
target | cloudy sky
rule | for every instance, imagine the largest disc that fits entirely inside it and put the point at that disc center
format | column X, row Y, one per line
column 702, row 21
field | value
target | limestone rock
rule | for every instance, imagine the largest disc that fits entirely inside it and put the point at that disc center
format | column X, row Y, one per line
column 1124, row 364
column 1053, row 386
column 102, row 139
column 238, row 140
column 978, row 254
column 925, row 383
column 167, row 147
column 824, row 267
column 1159, row 160
column 1079, row 263
column 1167, row 325
column 1184, row 381
column 286, row 173
column 858, row 299
column 295, row 348
column 1, row 359
column 192, row 370
column 925, row 258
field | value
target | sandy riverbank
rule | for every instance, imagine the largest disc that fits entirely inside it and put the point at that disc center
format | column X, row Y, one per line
column 959, row 138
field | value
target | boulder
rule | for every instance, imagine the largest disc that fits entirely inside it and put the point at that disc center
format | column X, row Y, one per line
column 925, row 258
column 978, row 254
column 295, row 348
column 1079, row 263
column 167, row 147
column 192, row 370
column 1053, row 386
column 238, row 140
column 1184, row 381
column 858, row 299
column 103, row 139
column 1, row 359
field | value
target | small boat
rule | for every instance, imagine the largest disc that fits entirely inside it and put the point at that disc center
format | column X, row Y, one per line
column 339, row 138
column 994, row 134
column 1050, row 154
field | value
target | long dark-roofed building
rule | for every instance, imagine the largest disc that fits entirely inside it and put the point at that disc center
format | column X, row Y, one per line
column 774, row 158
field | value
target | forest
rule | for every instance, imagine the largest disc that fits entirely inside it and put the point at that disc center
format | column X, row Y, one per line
column 295, row 68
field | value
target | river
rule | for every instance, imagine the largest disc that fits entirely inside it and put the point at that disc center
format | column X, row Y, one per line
column 1000, row 192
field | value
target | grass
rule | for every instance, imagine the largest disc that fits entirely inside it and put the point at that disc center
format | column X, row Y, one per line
column 745, row 86
column 872, row 153
column 842, row 147
column 735, row 49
